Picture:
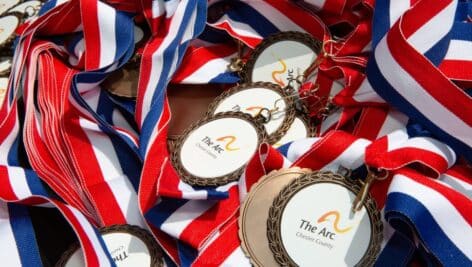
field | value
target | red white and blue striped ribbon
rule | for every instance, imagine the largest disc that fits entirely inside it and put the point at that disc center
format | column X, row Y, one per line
column 402, row 69
column 20, row 182
column 82, row 123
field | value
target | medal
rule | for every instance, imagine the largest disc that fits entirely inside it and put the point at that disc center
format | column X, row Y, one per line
column 128, row 246
column 311, row 222
column 216, row 149
column 255, row 211
column 281, row 59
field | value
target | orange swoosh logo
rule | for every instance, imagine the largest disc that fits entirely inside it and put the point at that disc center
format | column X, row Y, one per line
column 231, row 139
column 277, row 72
column 337, row 218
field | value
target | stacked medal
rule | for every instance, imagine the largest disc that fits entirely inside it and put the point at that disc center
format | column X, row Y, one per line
column 236, row 133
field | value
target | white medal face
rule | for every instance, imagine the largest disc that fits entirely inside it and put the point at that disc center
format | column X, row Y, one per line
column 5, row 65
column 126, row 250
column 282, row 61
column 251, row 101
column 297, row 130
column 29, row 7
column 219, row 147
column 7, row 4
column 3, row 89
column 8, row 25
column 318, row 228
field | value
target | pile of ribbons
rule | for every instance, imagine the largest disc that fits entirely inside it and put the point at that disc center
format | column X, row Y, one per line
column 101, row 160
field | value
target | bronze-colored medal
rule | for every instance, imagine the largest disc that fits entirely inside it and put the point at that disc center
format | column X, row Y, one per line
column 215, row 150
column 311, row 222
column 255, row 211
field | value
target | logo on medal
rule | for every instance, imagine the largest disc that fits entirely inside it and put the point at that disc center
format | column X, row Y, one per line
column 215, row 147
column 320, row 233
column 230, row 139
column 337, row 217
column 276, row 73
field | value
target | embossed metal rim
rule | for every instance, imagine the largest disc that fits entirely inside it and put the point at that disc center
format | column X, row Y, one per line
column 280, row 202
column 215, row 181
column 305, row 38
column 153, row 248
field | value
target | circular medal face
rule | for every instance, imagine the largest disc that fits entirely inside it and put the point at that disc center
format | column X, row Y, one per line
column 281, row 57
column 28, row 8
column 7, row 4
column 300, row 128
column 311, row 224
column 3, row 89
column 128, row 246
column 215, row 150
column 251, row 98
column 255, row 211
column 8, row 25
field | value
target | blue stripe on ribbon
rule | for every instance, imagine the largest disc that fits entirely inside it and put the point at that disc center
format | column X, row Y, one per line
column 226, row 77
column 411, row 211
column 47, row 6
column 284, row 149
column 104, row 247
column 399, row 250
column 158, row 214
column 187, row 254
column 244, row 13
column 35, row 185
column 168, row 58
column 24, row 235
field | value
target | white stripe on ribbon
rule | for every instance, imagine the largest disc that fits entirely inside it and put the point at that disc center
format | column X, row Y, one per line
column 457, row 184
column 5, row 145
column 112, row 173
column 157, row 61
column 459, row 50
column 365, row 93
column 351, row 158
column 91, row 236
column 300, row 147
column 395, row 121
column 444, row 213
column 239, row 28
column 184, row 216
column 18, row 182
column 106, row 21
column 409, row 88
column 237, row 258
column 209, row 70
column 397, row 8
column 434, row 30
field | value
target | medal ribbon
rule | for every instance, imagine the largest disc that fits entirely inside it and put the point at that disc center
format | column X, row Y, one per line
column 24, row 187
column 402, row 51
